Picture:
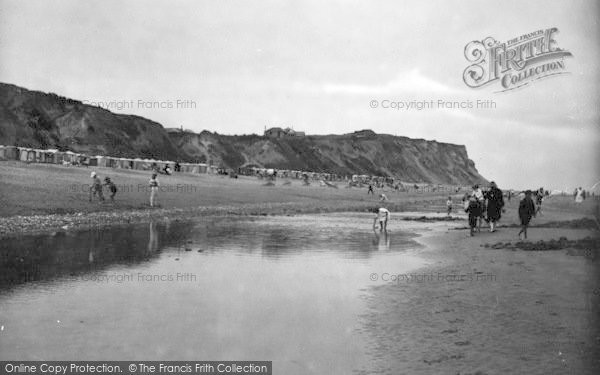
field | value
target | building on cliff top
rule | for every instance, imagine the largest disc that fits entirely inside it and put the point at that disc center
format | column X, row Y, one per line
column 277, row 132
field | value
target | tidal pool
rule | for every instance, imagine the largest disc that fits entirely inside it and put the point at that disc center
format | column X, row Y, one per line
column 285, row 289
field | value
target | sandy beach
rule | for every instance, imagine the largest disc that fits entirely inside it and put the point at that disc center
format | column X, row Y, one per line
column 39, row 198
column 483, row 305
column 484, row 310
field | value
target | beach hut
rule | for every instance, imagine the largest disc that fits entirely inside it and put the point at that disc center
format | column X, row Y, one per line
column 42, row 155
column 101, row 161
column 8, row 153
column 189, row 168
column 26, row 154
column 50, row 156
column 69, row 157
column 127, row 163
column 59, row 157
column 82, row 159
column 92, row 161
column 185, row 168
column 138, row 164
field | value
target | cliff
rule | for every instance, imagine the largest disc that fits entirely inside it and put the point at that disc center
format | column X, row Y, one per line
column 36, row 119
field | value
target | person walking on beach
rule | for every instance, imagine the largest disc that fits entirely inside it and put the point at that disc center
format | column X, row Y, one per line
column 111, row 187
column 96, row 187
column 579, row 195
column 153, row 189
column 495, row 204
column 382, row 197
column 539, row 198
column 480, row 199
column 449, row 205
column 474, row 211
column 526, row 211
column 382, row 217
column 370, row 191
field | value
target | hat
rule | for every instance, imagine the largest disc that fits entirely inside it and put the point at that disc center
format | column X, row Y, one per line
column 93, row 175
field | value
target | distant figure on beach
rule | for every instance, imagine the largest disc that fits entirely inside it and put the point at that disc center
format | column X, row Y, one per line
column 167, row 169
column 370, row 191
column 509, row 195
column 449, row 205
column 96, row 187
column 479, row 198
column 495, row 205
column 526, row 211
column 474, row 211
column 579, row 195
column 539, row 198
column 111, row 187
column 153, row 189
column 382, row 217
column 382, row 197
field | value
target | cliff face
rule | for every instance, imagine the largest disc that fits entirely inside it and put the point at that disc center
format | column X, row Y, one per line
column 35, row 119
column 374, row 154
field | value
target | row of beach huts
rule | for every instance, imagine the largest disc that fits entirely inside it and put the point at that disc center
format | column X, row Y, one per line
column 53, row 156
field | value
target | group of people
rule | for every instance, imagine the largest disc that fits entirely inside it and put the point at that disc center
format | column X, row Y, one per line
column 487, row 206
column 96, row 188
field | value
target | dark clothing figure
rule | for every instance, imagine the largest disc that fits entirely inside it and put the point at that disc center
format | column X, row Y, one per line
column 370, row 191
column 526, row 212
column 495, row 203
column 474, row 211
column 111, row 187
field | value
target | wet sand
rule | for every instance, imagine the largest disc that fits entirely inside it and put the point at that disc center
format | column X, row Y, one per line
column 479, row 310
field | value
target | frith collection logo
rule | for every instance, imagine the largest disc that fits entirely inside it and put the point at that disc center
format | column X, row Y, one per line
column 516, row 62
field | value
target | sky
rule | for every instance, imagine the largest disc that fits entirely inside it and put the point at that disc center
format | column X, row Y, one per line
column 236, row 67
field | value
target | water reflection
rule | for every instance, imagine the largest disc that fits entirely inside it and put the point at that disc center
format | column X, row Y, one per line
column 382, row 240
column 45, row 257
column 288, row 289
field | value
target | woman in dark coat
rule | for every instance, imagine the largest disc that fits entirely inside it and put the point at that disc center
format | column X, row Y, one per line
column 526, row 211
column 495, row 203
